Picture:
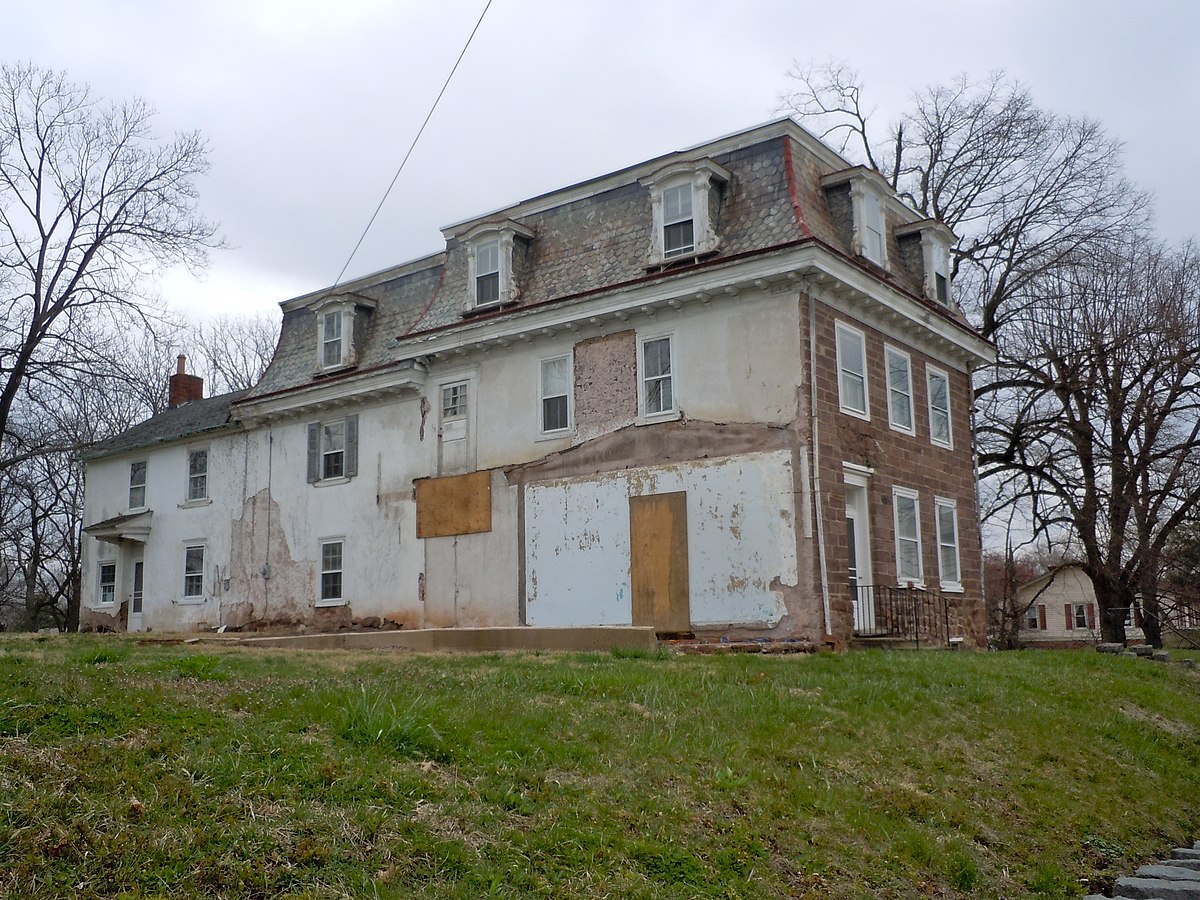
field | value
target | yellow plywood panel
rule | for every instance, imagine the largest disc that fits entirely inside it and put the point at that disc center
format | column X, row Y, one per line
column 658, row 564
column 456, row 504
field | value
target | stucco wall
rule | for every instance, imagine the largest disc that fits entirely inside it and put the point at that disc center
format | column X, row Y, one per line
column 741, row 541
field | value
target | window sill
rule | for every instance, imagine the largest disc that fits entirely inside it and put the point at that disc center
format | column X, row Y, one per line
column 866, row 417
column 330, row 482
column 911, row 585
column 192, row 504
column 654, row 418
column 190, row 601
column 554, row 435
column 134, row 510
column 322, row 604
column 911, row 432
column 943, row 446
column 951, row 587
column 470, row 312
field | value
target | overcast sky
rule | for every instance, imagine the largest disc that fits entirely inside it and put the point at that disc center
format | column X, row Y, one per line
column 309, row 105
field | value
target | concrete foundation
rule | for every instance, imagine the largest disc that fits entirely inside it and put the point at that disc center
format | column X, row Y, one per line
column 469, row 639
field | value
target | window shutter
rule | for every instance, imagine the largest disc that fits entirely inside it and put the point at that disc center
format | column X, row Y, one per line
column 1070, row 617
column 314, row 452
column 1091, row 616
column 351, row 446
column 1042, row 616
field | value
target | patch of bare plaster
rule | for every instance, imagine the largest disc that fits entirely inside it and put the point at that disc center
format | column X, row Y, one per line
column 801, row 611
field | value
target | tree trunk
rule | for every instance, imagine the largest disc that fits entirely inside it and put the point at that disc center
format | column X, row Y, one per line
column 74, row 597
column 1152, row 619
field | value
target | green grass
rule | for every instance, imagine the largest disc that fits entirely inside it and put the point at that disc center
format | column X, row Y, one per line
column 153, row 771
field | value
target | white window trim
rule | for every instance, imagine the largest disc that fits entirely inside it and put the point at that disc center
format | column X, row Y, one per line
column 1079, row 611
column 145, row 485
column 841, row 328
column 505, row 234
column 188, row 499
column 543, row 433
column 341, row 600
column 908, row 494
column 911, row 428
column 184, row 597
column 100, row 564
column 860, row 189
column 939, row 503
column 704, row 176
column 347, row 356
column 932, row 372
column 667, row 414
column 325, row 452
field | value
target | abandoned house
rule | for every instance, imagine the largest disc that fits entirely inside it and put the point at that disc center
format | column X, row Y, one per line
column 726, row 391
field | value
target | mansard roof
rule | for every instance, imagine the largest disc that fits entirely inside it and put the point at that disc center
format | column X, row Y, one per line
column 593, row 237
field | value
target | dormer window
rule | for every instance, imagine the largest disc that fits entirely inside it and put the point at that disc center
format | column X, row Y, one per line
column 684, row 198
column 869, row 195
column 342, row 321
column 495, row 257
column 931, row 265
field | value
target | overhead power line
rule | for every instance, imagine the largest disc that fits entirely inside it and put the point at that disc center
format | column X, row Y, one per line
column 413, row 145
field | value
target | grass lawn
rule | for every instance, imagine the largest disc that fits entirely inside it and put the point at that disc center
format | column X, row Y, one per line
column 133, row 770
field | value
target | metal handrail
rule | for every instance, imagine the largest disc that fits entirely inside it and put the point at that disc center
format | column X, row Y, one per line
column 909, row 613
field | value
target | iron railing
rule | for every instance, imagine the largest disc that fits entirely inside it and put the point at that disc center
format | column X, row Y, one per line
column 911, row 614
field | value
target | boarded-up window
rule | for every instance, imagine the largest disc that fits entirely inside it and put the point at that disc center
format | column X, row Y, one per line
column 456, row 504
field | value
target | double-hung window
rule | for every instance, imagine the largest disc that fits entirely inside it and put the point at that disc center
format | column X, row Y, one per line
column 939, row 407
column 108, row 582
column 193, row 572
column 137, row 485
column 658, row 377
column 908, row 536
column 899, row 384
column 555, row 392
column 333, row 449
column 197, row 487
column 947, row 532
column 331, row 339
column 331, row 572
column 487, row 273
column 678, row 227
column 872, row 229
column 852, row 370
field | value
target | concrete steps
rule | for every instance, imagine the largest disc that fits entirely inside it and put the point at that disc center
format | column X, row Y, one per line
column 1175, row 878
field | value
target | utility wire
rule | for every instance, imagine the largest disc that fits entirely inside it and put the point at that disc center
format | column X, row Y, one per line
column 412, row 146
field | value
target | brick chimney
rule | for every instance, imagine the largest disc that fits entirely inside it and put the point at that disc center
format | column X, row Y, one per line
column 182, row 387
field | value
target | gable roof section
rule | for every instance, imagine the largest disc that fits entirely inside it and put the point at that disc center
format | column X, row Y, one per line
column 184, row 421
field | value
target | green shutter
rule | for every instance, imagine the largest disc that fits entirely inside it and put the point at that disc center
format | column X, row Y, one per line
column 314, row 452
column 351, row 446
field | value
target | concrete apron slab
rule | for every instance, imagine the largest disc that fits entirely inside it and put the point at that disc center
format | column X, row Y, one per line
column 468, row 640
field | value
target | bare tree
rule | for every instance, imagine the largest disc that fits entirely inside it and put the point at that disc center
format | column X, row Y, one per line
column 90, row 205
column 1100, row 416
column 234, row 351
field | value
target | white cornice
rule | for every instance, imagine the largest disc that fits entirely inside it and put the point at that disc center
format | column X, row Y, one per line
column 810, row 266
column 389, row 382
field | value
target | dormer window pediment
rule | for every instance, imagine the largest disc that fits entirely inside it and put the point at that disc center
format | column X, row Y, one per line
column 684, row 198
column 492, row 271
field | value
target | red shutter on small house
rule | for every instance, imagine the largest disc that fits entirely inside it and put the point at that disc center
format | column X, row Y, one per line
column 1042, row 616
column 1070, row 618
column 1091, row 613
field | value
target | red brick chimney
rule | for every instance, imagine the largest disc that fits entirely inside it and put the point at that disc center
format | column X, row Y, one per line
column 183, row 388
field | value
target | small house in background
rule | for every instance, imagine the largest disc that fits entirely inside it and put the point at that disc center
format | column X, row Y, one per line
column 1060, row 610
column 725, row 391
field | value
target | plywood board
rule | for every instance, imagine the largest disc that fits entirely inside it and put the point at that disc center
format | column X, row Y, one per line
column 456, row 504
column 658, row 564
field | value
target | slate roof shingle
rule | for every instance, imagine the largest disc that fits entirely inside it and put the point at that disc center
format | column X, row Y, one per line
column 186, row 420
